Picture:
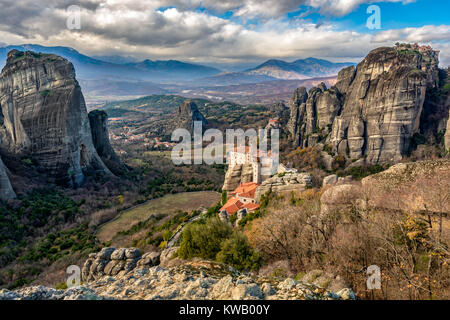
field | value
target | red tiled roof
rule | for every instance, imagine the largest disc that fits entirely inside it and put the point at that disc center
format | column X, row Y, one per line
column 251, row 206
column 232, row 206
column 246, row 190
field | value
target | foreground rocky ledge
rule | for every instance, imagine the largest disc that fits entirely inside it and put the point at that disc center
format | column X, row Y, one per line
column 190, row 280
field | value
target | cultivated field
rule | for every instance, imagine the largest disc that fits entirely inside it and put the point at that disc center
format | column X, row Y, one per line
column 168, row 204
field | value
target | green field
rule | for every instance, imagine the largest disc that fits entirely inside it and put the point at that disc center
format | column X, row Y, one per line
column 168, row 204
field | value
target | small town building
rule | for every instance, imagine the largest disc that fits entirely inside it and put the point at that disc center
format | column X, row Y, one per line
column 243, row 197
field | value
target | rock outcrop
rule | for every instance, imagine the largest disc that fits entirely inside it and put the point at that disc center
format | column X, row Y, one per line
column 418, row 187
column 112, row 261
column 43, row 115
column 421, row 186
column 237, row 174
column 190, row 280
column 188, row 113
column 284, row 183
column 340, row 198
column 98, row 120
column 373, row 111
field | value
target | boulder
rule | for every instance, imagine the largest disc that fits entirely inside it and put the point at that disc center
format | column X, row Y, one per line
column 105, row 253
column 246, row 291
column 118, row 254
column 340, row 197
column 149, row 259
column 330, row 180
column 132, row 253
column 167, row 254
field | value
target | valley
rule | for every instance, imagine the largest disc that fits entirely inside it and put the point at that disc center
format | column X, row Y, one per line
column 363, row 180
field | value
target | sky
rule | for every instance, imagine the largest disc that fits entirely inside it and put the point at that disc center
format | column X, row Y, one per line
column 228, row 32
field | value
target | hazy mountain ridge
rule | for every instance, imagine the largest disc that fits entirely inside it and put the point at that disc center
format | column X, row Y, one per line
column 92, row 68
column 276, row 70
column 298, row 69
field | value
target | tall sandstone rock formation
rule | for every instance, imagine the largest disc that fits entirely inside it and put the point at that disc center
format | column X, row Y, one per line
column 188, row 113
column 373, row 111
column 98, row 120
column 43, row 115
column 237, row 174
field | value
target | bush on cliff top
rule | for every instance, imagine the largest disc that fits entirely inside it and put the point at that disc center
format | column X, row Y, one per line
column 216, row 240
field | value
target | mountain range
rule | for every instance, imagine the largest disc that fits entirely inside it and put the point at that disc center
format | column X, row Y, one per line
column 89, row 68
column 106, row 78
column 118, row 67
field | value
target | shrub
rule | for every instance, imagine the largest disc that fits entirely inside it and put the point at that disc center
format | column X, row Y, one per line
column 237, row 252
column 224, row 196
column 359, row 172
column 249, row 217
column 61, row 286
column 204, row 240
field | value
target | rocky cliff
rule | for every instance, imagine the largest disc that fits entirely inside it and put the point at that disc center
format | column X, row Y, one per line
column 43, row 116
column 284, row 183
column 374, row 110
column 145, row 279
column 188, row 113
column 98, row 120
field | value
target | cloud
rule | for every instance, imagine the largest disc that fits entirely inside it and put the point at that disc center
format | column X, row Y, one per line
column 278, row 8
column 154, row 29
column 342, row 7
column 425, row 33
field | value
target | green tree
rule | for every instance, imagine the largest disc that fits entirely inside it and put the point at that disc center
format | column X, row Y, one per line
column 204, row 240
column 237, row 252
column 224, row 197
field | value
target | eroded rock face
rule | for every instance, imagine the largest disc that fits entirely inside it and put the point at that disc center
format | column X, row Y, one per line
column 98, row 120
column 237, row 174
column 43, row 115
column 372, row 111
column 298, row 114
column 188, row 113
column 289, row 182
column 340, row 197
